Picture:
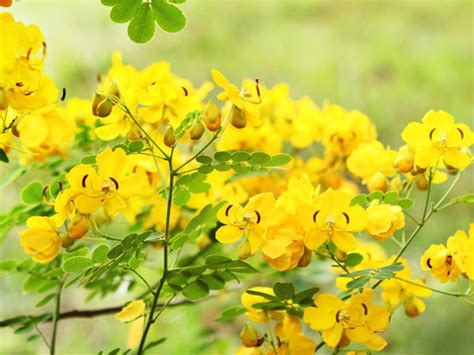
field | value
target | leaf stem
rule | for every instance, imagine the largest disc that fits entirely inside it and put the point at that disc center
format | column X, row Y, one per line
column 432, row 289
column 57, row 308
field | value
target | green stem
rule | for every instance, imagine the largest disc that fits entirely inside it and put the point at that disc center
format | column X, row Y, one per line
column 432, row 289
column 143, row 280
column 320, row 345
column 216, row 135
column 52, row 348
column 151, row 316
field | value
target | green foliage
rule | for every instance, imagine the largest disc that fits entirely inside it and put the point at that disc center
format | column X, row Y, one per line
column 32, row 193
column 241, row 162
column 230, row 314
column 3, row 156
column 353, row 259
column 406, row 203
column 362, row 277
column 187, row 185
column 143, row 14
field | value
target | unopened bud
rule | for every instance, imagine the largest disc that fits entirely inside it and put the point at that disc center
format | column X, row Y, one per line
column 249, row 336
column 212, row 116
column 78, row 226
column 66, row 241
column 396, row 184
column 340, row 255
column 197, row 130
column 421, row 182
column 101, row 105
column 238, row 118
column 411, row 310
column 378, row 182
column 404, row 160
column 169, row 138
column 203, row 241
column 243, row 251
column 306, row 258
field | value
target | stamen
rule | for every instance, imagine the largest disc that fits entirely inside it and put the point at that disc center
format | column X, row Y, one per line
column 257, row 86
column 115, row 183
column 365, row 308
column 19, row 84
column 60, row 183
column 28, row 54
column 315, row 215
column 428, row 262
column 347, row 217
column 431, row 133
column 337, row 315
column 45, row 189
column 185, row 91
column 461, row 132
column 63, row 96
column 449, row 260
column 84, row 180
column 227, row 210
column 259, row 218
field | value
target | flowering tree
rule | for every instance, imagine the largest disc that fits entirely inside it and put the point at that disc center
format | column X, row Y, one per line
column 151, row 175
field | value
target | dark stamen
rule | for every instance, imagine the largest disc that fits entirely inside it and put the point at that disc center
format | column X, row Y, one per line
column 60, row 183
column 337, row 315
column 347, row 217
column 365, row 308
column 315, row 215
column 449, row 260
column 19, row 84
column 257, row 87
column 185, row 91
column 227, row 210
column 84, row 180
column 431, row 133
column 259, row 218
column 45, row 189
column 115, row 183
column 63, row 96
column 428, row 262
column 460, row 132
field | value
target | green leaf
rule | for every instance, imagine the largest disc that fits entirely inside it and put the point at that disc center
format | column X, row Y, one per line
column 466, row 199
column 270, row 306
column 240, row 156
column 77, row 264
column 124, row 10
column 213, row 281
column 230, row 314
column 406, row 203
column 394, row 267
column 8, row 177
column 240, row 168
column 89, row 159
column 278, row 160
column 109, row 2
column 262, row 294
column 115, row 252
column 390, row 197
column 196, row 290
column 169, row 17
column 32, row 193
column 306, row 296
column 284, row 291
column 7, row 265
column 353, row 259
column 3, row 156
column 136, row 146
column 361, row 199
column 376, row 195
column 142, row 27
column 33, row 337
column 357, row 273
column 204, row 159
column 259, row 158
column 222, row 156
column 358, row 283
column 46, row 300
column 99, row 255
column 206, row 169
column 217, row 259
column 32, row 283
column 49, row 284
column 154, row 343
column 181, row 197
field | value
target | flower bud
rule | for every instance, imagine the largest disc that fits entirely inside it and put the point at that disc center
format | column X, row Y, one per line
column 404, row 160
column 421, row 182
column 101, row 105
column 6, row 3
column 411, row 309
column 378, row 182
column 238, row 118
column 396, row 184
column 169, row 138
column 3, row 99
column 196, row 131
column 67, row 241
column 78, row 227
column 340, row 255
column 306, row 258
column 212, row 116
column 203, row 241
column 249, row 336
column 243, row 251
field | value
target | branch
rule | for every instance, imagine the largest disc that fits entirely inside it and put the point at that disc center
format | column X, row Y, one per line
column 89, row 313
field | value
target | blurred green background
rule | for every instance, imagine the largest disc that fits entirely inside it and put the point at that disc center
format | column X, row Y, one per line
column 393, row 60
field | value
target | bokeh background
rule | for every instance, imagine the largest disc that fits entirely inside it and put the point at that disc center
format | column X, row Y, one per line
column 393, row 60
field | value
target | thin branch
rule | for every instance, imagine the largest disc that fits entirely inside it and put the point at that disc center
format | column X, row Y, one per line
column 433, row 289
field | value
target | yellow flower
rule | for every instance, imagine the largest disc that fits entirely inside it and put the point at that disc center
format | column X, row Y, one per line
column 372, row 163
column 440, row 261
column 357, row 319
column 132, row 311
column 336, row 221
column 291, row 339
column 41, row 239
column 383, row 220
column 244, row 102
column 254, row 314
column 396, row 292
column 439, row 137
column 250, row 221
column 110, row 187
column 447, row 263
